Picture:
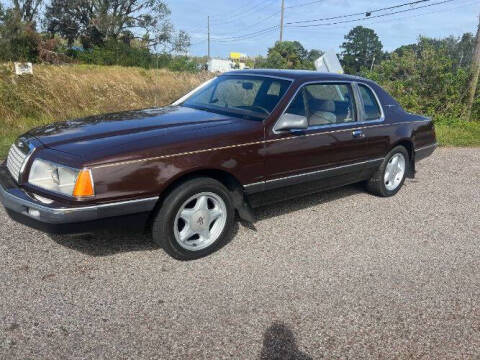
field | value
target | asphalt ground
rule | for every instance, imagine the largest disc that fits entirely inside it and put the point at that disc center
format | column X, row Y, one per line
column 342, row 274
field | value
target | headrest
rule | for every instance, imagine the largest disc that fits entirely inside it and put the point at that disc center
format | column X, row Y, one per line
column 321, row 105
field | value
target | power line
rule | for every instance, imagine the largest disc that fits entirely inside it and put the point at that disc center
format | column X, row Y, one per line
column 261, row 21
column 250, row 35
column 199, row 42
column 368, row 18
column 224, row 17
column 406, row 16
column 304, row 4
column 292, row 24
column 234, row 18
column 358, row 13
column 239, row 11
column 425, row 13
column 269, row 29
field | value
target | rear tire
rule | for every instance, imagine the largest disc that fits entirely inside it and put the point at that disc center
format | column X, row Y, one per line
column 390, row 176
column 195, row 220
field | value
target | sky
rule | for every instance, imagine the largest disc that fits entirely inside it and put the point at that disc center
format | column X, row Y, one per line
column 239, row 25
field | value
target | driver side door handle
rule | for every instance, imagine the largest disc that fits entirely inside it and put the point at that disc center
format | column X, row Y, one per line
column 358, row 134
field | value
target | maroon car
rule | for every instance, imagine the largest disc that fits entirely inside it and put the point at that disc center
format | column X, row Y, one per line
column 183, row 171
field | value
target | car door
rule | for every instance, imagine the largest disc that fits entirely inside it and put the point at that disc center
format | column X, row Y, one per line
column 372, row 117
column 333, row 144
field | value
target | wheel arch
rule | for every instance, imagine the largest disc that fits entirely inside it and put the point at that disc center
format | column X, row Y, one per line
column 407, row 143
column 236, row 189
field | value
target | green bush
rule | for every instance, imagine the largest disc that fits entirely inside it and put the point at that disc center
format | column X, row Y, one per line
column 119, row 53
column 426, row 81
column 183, row 63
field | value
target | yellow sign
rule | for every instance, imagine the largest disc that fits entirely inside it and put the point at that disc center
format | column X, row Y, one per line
column 237, row 56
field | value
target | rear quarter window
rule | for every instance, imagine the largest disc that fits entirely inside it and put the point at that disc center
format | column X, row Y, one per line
column 371, row 106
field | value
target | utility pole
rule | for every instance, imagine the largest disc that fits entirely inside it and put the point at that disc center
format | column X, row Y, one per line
column 281, row 20
column 208, row 24
column 475, row 75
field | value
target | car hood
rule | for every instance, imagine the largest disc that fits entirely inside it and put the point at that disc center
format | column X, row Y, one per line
column 121, row 124
column 111, row 135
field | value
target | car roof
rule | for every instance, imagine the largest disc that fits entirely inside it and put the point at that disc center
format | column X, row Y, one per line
column 297, row 74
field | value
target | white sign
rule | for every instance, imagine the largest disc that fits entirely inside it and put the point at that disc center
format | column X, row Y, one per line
column 329, row 62
column 220, row 65
column 23, row 68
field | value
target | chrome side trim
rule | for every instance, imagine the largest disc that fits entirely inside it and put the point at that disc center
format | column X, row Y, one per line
column 127, row 162
column 254, row 187
column 254, row 184
column 257, row 186
column 177, row 154
column 109, row 205
column 426, row 147
column 325, row 170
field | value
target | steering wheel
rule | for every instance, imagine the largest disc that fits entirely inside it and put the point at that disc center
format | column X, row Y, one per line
column 261, row 108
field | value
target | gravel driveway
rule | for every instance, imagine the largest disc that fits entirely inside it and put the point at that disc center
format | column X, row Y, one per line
column 339, row 274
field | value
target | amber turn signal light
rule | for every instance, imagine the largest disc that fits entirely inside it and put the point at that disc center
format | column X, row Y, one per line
column 84, row 184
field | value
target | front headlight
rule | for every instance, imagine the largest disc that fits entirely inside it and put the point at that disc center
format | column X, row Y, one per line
column 61, row 179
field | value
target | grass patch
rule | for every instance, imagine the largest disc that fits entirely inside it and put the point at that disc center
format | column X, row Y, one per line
column 57, row 93
column 458, row 133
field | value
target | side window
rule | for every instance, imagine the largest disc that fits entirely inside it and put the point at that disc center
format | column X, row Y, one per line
column 330, row 104
column 370, row 104
column 297, row 106
column 274, row 88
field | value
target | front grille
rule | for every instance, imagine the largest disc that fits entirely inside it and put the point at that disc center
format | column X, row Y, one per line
column 15, row 161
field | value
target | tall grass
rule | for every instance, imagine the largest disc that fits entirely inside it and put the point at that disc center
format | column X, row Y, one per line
column 56, row 93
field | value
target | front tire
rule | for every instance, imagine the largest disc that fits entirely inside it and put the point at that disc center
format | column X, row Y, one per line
column 196, row 219
column 390, row 176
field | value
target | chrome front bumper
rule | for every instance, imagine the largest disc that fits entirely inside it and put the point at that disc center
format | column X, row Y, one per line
column 18, row 202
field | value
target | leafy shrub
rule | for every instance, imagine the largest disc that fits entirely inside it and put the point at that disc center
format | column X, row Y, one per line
column 426, row 81
column 183, row 63
column 119, row 53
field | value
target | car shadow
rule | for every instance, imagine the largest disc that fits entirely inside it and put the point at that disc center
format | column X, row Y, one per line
column 279, row 344
column 107, row 242
column 113, row 241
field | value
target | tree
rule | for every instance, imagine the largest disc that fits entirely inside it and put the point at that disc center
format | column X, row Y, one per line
column 424, row 79
column 27, row 10
column 361, row 49
column 459, row 49
column 313, row 55
column 18, row 38
column 288, row 55
column 95, row 21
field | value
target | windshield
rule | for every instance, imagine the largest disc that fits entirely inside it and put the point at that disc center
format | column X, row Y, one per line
column 240, row 95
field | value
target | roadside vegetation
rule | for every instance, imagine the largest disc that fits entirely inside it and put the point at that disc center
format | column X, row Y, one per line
column 58, row 93
column 89, row 63
column 430, row 77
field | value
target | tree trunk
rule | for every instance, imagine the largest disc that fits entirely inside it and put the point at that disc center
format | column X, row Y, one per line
column 475, row 75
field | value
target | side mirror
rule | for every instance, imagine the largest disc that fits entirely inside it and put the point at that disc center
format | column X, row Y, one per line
column 291, row 122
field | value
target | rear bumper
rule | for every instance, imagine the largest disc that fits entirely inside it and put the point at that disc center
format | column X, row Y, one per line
column 60, row 218
column 425, row 151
